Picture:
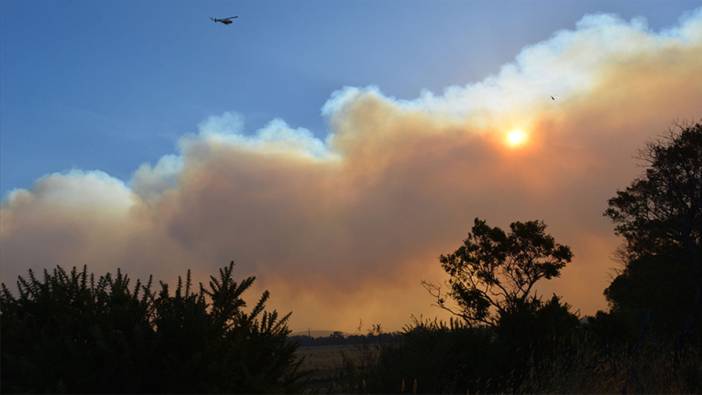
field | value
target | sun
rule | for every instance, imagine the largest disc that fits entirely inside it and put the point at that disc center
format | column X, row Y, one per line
column 516, row 138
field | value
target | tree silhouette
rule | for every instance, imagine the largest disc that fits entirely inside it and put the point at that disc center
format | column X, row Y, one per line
column 71, row 332
column 662, row 211
column 660, row 217
column 494, row 273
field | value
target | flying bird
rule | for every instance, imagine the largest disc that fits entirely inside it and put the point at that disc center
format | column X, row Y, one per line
column 224, row 21
column 553, row 98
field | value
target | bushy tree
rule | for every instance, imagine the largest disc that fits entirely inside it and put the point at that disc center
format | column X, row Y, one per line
column 661, row 212
column 659, row 216
column 500, row 328
column 73, row 332
column 455, row 357
column 439, row 357
column 494, row 272
column 537, row 325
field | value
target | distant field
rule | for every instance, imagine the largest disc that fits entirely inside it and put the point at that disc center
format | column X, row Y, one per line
column 317, row 333
column 325, row 364
column 324, row 358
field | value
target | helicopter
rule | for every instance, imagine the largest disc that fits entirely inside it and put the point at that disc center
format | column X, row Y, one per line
column 224, row 21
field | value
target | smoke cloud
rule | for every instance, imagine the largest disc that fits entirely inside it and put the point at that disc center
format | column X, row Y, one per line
column 344, row 228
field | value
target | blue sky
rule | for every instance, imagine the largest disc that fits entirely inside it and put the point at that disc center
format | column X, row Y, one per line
column 110, row 85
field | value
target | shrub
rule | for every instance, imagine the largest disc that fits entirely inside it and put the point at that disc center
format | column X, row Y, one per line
column 71, row 332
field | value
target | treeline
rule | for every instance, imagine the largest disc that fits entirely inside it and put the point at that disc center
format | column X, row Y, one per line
column 73, row 332
column 339, row 339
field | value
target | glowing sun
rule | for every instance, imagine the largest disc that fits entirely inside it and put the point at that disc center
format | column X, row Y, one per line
column 516, row 138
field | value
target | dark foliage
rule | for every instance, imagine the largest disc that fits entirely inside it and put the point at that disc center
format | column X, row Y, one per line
column 493, row 273
column 502, row 328
column 436, row 357
column 536, row 326
column 542, row 350
column 660, row 217
column 661, row 212
column 439, row 358
column 350, row 340
column 72, row 332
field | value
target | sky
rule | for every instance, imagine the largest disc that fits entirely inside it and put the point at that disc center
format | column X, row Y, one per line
column 333, row 149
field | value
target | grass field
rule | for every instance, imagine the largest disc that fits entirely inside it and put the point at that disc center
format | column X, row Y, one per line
column 325, row 364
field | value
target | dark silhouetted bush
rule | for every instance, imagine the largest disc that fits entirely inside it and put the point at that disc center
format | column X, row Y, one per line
column 660, row 217
column 456, row 357
column 501, row 328
column 72, row 332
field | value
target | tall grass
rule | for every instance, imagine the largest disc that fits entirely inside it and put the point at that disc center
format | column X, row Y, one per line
column 434, row 357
